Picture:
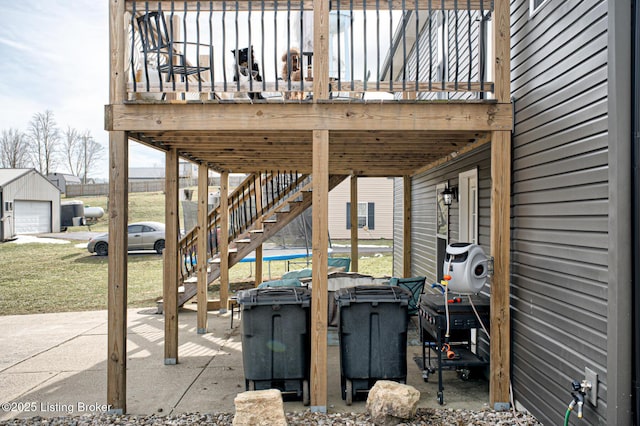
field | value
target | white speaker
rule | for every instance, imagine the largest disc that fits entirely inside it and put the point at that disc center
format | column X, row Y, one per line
column 466, row 263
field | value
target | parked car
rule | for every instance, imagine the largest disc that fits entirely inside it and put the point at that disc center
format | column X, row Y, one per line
column 142, row 236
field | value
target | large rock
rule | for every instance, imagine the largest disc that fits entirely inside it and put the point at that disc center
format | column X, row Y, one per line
column 262, row 407
column 390, row 403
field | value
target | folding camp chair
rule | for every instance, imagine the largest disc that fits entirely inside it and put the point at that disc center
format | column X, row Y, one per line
column 416, row 286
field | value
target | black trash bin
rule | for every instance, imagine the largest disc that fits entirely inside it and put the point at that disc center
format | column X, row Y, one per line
column 276, row 340
column 373, row 337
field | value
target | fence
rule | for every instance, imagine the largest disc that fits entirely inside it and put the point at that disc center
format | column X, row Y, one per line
column 152, row 185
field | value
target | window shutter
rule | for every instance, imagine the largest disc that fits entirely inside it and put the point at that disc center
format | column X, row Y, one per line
column 348, row 215
column 371, row 219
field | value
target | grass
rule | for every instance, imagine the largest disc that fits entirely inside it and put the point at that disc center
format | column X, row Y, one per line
column 143, row 206
column 40, row 278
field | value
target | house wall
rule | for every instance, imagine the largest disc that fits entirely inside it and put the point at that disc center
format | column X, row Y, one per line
column 370, row 190
column 560, row 204
column 423, row 212
column 462, row 43
column 398, row 227
column 560, row 241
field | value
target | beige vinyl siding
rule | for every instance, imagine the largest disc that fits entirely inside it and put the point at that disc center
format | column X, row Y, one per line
column 370, row 190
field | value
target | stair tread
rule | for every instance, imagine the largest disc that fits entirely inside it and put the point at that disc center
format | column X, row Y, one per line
column 297, row 200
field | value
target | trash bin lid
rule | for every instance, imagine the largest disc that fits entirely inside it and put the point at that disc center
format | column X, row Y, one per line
column 372, row 294
column 275, row 295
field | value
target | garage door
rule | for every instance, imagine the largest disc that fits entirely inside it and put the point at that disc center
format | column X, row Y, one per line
column 32, row 217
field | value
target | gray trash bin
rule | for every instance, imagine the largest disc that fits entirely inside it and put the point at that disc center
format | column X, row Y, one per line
column 276, row 339
column 373, row 337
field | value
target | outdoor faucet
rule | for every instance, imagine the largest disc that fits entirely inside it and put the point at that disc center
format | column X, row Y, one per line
column 579, row 392
column 579, row 397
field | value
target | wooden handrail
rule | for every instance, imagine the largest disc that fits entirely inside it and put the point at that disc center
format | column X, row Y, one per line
column 247, row 190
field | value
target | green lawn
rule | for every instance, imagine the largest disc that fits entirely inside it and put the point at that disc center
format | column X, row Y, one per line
column 38, row 278
column 143, row 206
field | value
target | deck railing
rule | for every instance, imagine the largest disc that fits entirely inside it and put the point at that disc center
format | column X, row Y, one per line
column 264, row 50
column 258, row 195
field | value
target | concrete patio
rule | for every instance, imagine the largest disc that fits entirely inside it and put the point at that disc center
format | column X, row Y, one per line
column 55, row 364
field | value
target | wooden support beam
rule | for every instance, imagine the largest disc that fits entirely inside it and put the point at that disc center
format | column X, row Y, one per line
column 502, row 49
column 320, row 50
column 290, row 117
column 118, row 218
column 118, row 78
column 224, row 241
column 203, row 225
column 258, row 225
column 500, row 251
column 320, row 245
column 354, row 223
column 259, row 264
column 117, row 272
column 172, row 232
column 500, row 374
column 406, row 228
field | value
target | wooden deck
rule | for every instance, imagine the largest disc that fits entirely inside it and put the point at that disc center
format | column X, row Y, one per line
column 322, row 137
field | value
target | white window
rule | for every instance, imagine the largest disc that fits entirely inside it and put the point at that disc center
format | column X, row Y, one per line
column 468, row 206
column 536, row 5
column 366, row 215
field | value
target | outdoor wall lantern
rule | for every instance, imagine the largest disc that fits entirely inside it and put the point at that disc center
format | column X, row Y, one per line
column 449, row 195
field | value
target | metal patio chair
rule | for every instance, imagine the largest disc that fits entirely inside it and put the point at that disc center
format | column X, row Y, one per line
column 164, row 53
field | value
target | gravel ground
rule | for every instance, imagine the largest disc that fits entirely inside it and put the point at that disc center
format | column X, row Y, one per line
column 442, row 417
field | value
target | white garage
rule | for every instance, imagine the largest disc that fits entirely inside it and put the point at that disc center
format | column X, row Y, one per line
column 29, row 203
column 32, row 217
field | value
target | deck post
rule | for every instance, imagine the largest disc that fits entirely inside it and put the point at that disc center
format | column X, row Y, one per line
column 223, row 244
column 354, row 223
column 500, row 375
column 319, row 296
column 170, row 254
column 258, row 225
column 202, row 251
column 500, row 249
column 406, row 228
column 321, row 49
column 118, row 218
column 117, row 274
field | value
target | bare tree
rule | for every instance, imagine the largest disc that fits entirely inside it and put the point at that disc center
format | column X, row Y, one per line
column 72, row 151
column 92, row 153
column 44, row 138
column 14, row 149
column 81, row 152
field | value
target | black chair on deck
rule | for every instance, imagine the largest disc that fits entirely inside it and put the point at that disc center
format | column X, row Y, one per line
column 158, row 46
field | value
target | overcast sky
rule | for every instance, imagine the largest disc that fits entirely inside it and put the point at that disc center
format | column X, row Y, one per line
column 55, row 57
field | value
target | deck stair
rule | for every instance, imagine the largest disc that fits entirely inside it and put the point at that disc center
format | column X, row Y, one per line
column 283, row 197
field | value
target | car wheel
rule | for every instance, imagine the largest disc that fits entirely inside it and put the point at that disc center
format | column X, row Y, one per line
column 159, row 246
column 102, row 249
